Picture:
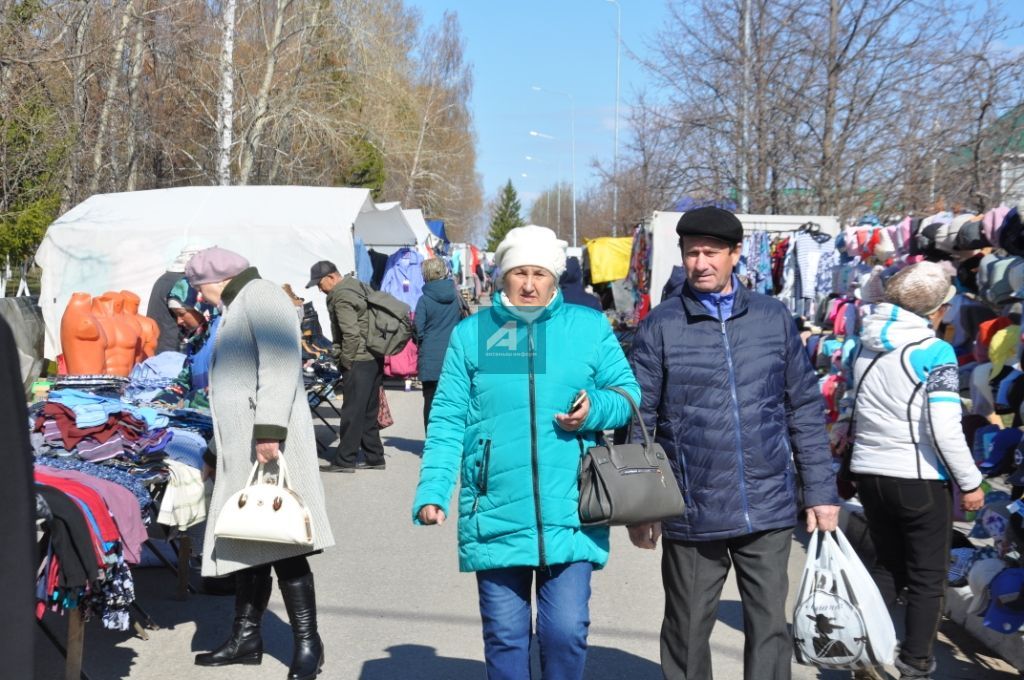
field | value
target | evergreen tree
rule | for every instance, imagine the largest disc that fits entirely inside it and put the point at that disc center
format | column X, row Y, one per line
column 506, row 216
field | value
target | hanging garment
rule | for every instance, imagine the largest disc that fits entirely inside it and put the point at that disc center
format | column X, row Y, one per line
column 403, row 276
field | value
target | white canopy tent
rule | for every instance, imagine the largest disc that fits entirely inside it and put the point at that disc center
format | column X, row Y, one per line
column 665, row 252
column 418, row 224
column 125, row 241
column 384, row 227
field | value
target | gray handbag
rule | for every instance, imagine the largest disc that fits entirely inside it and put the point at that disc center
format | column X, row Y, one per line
column 628, row 484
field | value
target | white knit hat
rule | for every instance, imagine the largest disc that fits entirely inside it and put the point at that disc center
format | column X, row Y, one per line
column 531, row 245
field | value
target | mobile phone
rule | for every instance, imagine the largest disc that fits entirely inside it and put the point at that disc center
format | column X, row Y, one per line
column 577, row 401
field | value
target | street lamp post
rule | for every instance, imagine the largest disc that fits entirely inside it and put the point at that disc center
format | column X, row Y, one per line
column 572, row 152
column 558, row 185
column 615, row 149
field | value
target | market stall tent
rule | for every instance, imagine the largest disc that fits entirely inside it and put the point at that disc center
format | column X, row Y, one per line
column 417, row 224
column 125, row 241
column 665, row 252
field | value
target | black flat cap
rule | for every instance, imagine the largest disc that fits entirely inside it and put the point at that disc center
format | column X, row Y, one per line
column 713, row 222
column 319, row 271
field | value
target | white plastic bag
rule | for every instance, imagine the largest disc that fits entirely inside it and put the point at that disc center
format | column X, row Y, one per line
column 840, row 620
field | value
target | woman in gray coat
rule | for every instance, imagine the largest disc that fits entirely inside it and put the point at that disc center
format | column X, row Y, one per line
column 260, row 412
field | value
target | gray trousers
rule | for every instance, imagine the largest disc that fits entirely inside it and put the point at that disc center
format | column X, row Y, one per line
column 693, row 573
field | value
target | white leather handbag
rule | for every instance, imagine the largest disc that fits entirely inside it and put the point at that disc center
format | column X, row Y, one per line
column 266, row 511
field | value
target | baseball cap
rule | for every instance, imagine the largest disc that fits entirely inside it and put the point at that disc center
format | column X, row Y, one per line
column 1005, row 612
column 979, row 576
column 319, row 271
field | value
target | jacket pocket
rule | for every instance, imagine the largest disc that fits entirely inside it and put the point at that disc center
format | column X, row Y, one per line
column 483, row 474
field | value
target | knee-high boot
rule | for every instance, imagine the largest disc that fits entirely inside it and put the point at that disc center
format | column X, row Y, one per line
column 245, row 646
column 300, row 602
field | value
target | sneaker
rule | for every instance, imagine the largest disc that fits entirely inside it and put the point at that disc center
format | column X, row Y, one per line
column 917, row 669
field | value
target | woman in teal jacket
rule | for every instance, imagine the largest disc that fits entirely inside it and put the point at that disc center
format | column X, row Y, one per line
column 502, row 424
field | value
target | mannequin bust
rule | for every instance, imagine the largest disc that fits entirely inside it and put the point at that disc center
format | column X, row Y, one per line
column 124, row 343
column 149, row 331
column 82, row 337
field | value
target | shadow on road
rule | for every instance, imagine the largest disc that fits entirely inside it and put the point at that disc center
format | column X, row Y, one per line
column 413, row 446
column 605, row 663
column 402, row 659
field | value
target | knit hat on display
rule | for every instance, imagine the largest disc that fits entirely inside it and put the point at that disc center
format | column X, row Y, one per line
column 531, row 246
column 712, row 222
column 213, row 265
column 920, row 288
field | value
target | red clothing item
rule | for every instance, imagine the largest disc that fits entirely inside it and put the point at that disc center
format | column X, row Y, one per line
column 70, row 432
column 92, row 500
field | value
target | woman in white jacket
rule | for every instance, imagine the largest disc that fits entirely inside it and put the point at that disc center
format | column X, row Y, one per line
column 909, row 450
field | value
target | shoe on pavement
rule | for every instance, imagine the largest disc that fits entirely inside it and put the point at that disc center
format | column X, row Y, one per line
column 333, row 467
column 915, row 670
column 366, row 466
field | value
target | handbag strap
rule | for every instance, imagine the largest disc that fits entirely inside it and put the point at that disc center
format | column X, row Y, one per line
column 636, row 414
column 856, row 393
column 283, row 478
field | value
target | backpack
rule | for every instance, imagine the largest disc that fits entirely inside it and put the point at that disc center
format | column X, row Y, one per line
column 389, row 328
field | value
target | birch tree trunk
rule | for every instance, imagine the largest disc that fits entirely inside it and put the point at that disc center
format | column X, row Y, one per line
column 138, row 57
column 72, row 176
column 254, row 136
column 113, row 77
column 225, row 103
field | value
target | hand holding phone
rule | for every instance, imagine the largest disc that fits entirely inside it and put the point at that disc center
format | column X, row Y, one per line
column 577, row 402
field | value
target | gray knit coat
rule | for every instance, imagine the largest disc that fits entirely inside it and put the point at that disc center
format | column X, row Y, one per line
column 256, row 390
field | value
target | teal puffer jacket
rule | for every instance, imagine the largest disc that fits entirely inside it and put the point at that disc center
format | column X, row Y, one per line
column 492, row 421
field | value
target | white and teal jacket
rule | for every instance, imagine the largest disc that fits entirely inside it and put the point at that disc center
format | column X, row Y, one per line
column 908, row 404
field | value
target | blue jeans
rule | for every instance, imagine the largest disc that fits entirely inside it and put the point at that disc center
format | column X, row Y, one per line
column 563, row 619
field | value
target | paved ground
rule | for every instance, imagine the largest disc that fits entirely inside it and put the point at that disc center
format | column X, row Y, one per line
column 393, row 605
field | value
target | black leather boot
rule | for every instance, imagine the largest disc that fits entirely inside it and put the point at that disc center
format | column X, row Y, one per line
column 245, row 646
column 300, row 602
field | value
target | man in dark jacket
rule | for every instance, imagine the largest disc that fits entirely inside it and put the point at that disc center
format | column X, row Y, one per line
column 734, row 401
column 571, row 283
column 363, row 372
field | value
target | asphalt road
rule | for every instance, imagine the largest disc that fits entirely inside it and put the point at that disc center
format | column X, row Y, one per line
column 393, row 605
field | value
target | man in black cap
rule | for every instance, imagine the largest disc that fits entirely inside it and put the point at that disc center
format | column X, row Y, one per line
column 726, row 380
column 363, row 372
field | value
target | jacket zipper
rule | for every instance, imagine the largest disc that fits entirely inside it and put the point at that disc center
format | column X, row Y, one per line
column 534, row 461
column 736, row 418
column 485, row 470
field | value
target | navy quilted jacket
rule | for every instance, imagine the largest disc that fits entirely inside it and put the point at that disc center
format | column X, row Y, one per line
column 734, row 403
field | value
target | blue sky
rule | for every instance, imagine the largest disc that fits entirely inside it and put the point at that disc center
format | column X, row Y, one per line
column 566, row 45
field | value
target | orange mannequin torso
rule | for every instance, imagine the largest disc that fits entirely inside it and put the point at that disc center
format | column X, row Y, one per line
column 150, row 332
column 123, row 341
column 82, row 337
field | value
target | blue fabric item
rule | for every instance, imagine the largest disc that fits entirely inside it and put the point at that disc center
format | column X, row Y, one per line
column 984, row 437
column 403, row 277
column 1003, row 443
column 186, row 447
column 163, row 366
column 733, row 403
column 364, row 265
column 200, row 361
column 717, row 304
column 493, row 421
column 1003, row 395
column 563, row 615
column 571, row 283
column 92, row 409
column 103, row 472
column 437, row 314
column 437, row 228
